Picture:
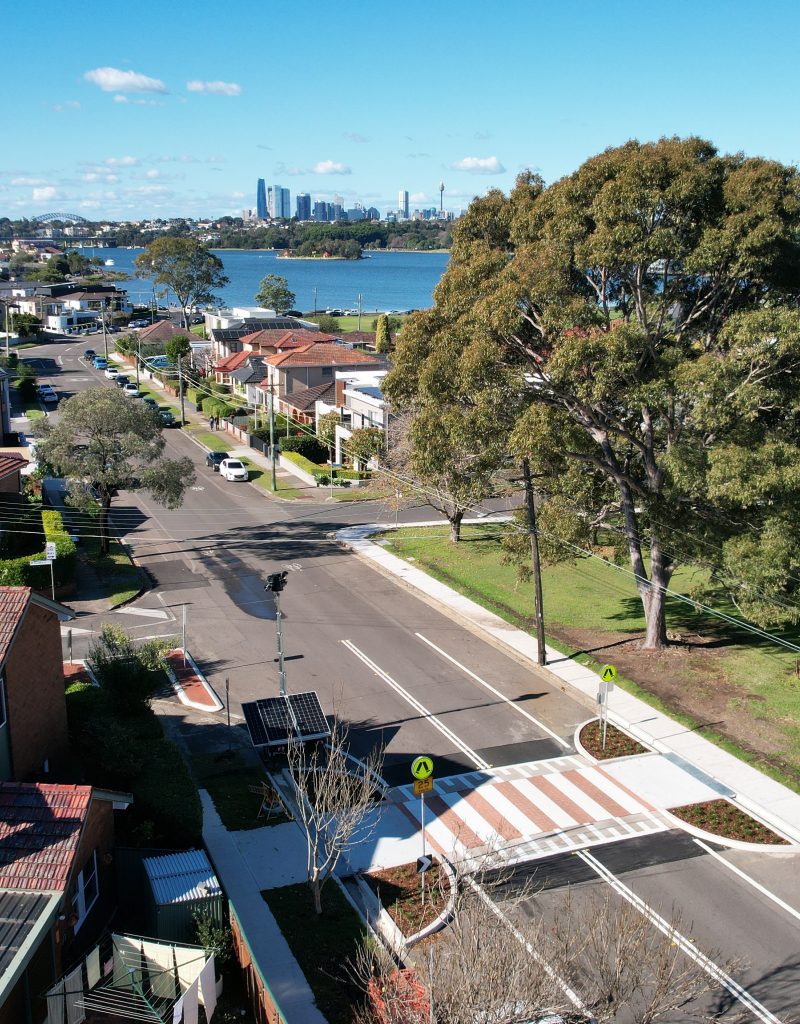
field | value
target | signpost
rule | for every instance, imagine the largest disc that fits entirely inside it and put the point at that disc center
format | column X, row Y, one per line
column 608, row 674
column 48, row 561
column 422, row 770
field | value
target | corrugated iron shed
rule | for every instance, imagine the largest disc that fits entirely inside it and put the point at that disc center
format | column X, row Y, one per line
column 181, row 877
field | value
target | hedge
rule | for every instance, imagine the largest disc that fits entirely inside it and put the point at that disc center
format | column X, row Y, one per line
column 306, row 464
column 18, row 572
column 306, row 445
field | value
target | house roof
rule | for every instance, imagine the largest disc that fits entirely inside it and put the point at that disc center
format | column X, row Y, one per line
column 13, row 604
column 24, row 918
column 161, row 330
column 284, row 339
column 324, row 355
column 181, row 877
column 232, row 362
column 40, row 825
column 11, row 463
column 304, row 400
column 251, row 372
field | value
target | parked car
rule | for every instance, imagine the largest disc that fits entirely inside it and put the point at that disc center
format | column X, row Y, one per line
column 214, row 459
column 151, row 403
column 131, row 390
column 89, row 354
column 233, row 469
column 100, row 363
column 167, row 419
column 47, row 393
column 112, row 372
column 121, row 380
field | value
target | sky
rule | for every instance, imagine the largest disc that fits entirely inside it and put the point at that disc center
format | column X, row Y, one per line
column 150, row 109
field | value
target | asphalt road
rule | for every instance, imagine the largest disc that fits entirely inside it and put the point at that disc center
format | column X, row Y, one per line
column 410, row 679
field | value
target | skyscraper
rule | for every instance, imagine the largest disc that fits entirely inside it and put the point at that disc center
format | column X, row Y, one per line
column 261, row 200
column 279, row 202
column 402, row 203
column 303, row 206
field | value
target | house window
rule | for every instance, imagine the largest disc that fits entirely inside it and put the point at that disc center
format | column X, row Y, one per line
column 86, row 890
column 327, row 371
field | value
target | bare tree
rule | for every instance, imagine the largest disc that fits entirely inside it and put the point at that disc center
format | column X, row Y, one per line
column 592, row 962
column 336, row 798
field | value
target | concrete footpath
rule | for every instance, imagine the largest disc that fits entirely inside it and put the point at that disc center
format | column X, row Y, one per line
column 766, row 799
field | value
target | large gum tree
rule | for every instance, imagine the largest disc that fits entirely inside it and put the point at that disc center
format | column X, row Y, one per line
column 646, row 310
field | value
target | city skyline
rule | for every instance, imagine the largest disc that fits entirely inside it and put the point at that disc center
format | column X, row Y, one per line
column 121, row 124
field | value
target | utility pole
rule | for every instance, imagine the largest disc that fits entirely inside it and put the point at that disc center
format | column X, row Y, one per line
column 276, row 581
column 105, row 336
column 272, row 436
column 537, row 568
column 180, row 388
column 360, row 302
column 138, row 357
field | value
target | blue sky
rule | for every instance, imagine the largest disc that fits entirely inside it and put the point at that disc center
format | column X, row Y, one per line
column 145, row 109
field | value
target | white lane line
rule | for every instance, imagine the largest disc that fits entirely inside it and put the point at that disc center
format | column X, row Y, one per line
column 712, row 970
column 477, row 760
column 512, row 704
column 750, row 881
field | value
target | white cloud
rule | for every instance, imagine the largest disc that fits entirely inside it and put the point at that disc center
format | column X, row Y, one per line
column 237, row 195
column 356, row 137
column 28, row 182
column 122, row 161
column 479, row 165
column 60, row 108
column 418, row 197
column 331, row 167
column 41, row 194
column 153, row 173
column 216, row 88
column 115, row 80
column 119, row 98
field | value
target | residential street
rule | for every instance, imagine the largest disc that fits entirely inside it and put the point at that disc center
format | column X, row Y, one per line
column 409, row 678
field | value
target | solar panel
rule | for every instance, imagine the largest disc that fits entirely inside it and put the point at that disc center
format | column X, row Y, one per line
column 272, row 721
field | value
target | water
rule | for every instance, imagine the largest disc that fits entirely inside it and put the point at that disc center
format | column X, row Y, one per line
column 386, row 280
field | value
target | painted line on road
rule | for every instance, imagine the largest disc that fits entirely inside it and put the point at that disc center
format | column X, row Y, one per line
column 443, row 729
column 685, row 945
column 514, row 706
column 750, row 881
column 148, row 613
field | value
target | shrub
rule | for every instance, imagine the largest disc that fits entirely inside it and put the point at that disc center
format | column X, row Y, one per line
column 18, row 572
column 26, row 382
column 124, row 670
column 310, row 467
column 306, row 445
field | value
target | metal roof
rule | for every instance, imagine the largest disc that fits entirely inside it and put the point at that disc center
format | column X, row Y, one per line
column 181, row 877
column 24, row 917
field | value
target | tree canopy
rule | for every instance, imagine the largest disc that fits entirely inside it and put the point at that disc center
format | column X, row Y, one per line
column 184, row 266
column 274, row 293
column 640, row 317
column 103, row 443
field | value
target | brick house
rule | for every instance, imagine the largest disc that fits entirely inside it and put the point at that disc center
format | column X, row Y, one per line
column 11, row 466
column 33, row 712
column 56, row 855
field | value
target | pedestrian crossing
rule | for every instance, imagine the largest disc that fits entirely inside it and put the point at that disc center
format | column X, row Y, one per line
column 521, row 812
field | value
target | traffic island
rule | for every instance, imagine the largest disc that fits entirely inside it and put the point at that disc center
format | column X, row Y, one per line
column 398, row 891
column 723, row 820
column 190, row 685
column 589, row 740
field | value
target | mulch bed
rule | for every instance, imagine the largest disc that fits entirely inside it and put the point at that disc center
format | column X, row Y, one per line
column 618, row 743
column 722, row 818
column 398, row 890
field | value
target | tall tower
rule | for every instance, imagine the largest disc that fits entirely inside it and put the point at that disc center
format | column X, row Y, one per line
column 441, row 197
column 261, row 200
column 402, row 202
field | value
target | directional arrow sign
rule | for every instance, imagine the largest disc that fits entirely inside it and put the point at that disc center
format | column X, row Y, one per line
column 608, row 673
column 423, row 863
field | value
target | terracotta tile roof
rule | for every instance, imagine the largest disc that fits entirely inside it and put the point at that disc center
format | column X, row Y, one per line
column 285, row 339
column 231, row 362
column 304, row 400
column 40, row 825
column 324, row 355
column 13, row 602
column 10, row 463
column 161, row 330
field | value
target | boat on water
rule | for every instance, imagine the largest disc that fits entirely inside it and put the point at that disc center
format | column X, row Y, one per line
column 108, row 263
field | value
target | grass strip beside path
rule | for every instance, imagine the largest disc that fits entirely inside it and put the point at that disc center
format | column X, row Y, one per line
column 228, row 780
column 322, row 945
column 743, row 688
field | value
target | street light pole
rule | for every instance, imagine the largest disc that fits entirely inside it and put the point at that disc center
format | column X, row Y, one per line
column 272, row 435
column 537, row 568
column 276, row 581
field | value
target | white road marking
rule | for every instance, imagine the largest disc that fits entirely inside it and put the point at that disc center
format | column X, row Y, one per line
column 443, row 729
column 148, row 613
column 712, row 970
column 75, row 631
column 497, row 693
column 750, row 881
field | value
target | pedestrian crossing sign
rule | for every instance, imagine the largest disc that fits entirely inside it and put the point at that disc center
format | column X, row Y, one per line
column 608, row 673
column 422, row 767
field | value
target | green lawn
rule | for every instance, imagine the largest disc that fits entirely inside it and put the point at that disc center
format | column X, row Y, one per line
column 362, row 494
column 120, row 580
column 321, row 945
column 263, row 478
column 593, row 595
column 227, row 779
column 216, row 442
column 350, row 323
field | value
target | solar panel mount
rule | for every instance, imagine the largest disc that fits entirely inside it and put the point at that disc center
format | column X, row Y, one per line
column 274, row 721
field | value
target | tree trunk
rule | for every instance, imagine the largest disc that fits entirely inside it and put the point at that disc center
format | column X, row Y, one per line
column 455, row 526
column 653, row 594
column 316, row 889
column 105, row 506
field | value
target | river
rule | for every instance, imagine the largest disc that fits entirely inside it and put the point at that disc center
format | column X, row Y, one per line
column 386, row 280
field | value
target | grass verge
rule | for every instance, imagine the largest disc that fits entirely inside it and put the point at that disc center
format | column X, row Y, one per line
column 263, row 478
column 738, row 671
column 119, row 579
column 227, row 779
column 322, row 944
column 215, row 442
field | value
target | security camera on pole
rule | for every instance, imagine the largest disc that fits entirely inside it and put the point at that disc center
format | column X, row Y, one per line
column 276, row 581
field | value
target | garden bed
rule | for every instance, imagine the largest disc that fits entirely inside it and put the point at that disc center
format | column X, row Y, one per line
column 618, row 743
column 398, row 890
column 724, row 819
column 228, row 780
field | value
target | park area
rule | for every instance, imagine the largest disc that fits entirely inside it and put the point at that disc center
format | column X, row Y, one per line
column 739, row 690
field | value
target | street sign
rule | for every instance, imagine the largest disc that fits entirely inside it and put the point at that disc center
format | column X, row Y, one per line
column 423, row 863
column 422, row 786
column 40, row 561
column 50, row 549
column 608, row 673
column 422, row 767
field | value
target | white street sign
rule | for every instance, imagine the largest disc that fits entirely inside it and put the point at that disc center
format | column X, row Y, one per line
column 50, row 549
